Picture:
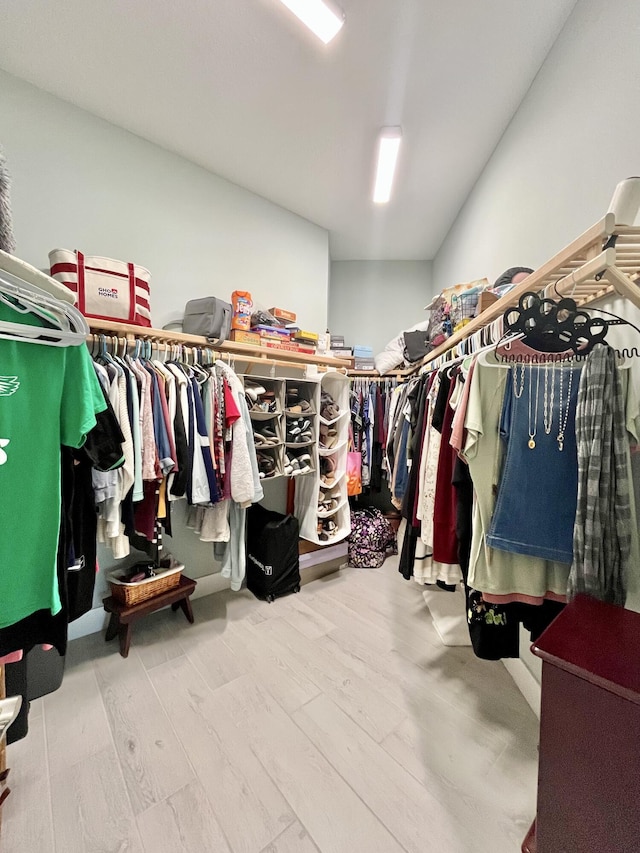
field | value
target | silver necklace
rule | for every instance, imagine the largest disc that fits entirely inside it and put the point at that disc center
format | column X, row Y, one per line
column 548, row 403
column 564, row 417
column 533, row 429
column 517, row 388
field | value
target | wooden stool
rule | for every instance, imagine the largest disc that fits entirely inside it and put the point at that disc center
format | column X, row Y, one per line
column 123, row 615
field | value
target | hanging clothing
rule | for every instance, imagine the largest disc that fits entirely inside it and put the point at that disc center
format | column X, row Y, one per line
column 536, row 505
column 602, row 534
column 491, row 570
column 445, row 542
column 41, row 385
column 417, row 412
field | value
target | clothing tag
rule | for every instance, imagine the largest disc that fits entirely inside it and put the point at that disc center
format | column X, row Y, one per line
column 77, row 566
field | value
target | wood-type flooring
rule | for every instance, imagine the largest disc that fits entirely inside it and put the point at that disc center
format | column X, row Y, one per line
column 333, row 721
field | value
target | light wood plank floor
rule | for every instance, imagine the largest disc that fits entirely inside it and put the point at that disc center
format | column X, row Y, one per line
column 333, row 721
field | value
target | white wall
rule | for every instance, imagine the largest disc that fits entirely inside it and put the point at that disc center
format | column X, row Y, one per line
column 80, row 182
column 553, row 173
column 371, row 301
column 574, row 137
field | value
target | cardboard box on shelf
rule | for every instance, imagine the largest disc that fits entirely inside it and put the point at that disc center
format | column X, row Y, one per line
column 361, row 351
column 265, row 338
column 337, row 341
column 302, row 335
column 276, row 331
column 342, row 352
column 240, row 337
column 485, row 300
column 292, row 347
column 285, row 316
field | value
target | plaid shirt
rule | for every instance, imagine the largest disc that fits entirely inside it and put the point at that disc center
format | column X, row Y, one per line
column 602, row 532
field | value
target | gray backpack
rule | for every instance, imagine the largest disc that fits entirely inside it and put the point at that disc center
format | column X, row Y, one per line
column 209, row 317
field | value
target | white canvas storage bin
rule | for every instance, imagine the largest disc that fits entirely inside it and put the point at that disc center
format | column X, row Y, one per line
column 105, row 289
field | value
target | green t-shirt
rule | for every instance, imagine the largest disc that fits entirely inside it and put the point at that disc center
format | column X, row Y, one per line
column 48, row 396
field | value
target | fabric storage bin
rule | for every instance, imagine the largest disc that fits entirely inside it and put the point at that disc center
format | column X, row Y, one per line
column 268, row 432
column 300, row 430
column 300, row 457
column 337, row 386
column 106, row 289
column 297, row 394
column 258, row 402
column 336, row 459
column 270, row 462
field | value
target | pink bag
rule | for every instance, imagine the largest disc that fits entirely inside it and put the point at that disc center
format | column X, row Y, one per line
column 354, row 468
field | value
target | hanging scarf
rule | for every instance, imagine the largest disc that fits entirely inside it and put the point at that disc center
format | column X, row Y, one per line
column 602, row 531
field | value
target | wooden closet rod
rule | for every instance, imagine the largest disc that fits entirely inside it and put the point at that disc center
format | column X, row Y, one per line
column 217, row 354
column 253, row 353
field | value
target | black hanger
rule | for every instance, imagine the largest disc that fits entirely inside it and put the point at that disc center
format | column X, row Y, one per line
column 556, row 326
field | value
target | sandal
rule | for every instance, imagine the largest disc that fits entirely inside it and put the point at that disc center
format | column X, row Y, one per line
column 329, row 409
column 328, row 436
column 327, row 504
column 266, row 466
column 328, row 470
column 265, row 406
column 254, row 391
column 296, row 465
column 299, row 431
column 327, row 529
column 262, row 440
column 304, row 461
column 298, row 407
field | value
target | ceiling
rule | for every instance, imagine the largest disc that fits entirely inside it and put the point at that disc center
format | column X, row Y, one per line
column 243, row 89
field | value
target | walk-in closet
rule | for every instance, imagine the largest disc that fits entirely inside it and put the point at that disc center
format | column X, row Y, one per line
column 319, row 426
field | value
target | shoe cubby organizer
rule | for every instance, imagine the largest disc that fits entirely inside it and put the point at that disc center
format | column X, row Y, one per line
column 265, row 398
column 284, row 416
column 321, row 503
column 301, row 400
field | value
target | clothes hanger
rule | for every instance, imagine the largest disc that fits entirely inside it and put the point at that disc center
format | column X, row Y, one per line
column 24, row 289
column 65, row 325
column 557, row 329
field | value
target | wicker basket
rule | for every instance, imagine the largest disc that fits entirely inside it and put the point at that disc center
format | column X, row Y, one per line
column 136, row 593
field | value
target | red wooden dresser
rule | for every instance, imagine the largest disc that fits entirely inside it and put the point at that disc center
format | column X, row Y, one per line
column 589, row 769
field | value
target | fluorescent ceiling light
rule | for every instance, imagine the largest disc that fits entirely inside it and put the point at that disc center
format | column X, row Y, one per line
column 388, row 149
column 323, row 19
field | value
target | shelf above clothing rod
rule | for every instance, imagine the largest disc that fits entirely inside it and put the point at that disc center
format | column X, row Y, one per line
column 241, row 352
column 584, row 270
